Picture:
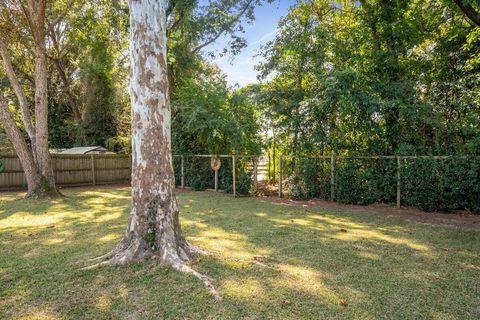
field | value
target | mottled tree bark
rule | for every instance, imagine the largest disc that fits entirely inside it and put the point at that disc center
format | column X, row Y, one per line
column 153, row 230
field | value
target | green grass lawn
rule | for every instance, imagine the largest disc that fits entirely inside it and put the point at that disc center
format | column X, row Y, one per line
column 270, row 261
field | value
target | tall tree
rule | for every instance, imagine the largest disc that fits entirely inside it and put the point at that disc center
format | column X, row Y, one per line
column 36, row 158
column 153, row 230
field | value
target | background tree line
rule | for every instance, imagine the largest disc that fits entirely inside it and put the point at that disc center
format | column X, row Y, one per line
column 370, row 77
column 377, row 77
column 88, row 71
column 374, row 77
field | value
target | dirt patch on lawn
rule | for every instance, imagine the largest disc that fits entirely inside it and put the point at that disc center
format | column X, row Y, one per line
column 462, row 219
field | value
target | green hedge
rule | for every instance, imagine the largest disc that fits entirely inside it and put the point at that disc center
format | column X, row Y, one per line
column 445, row 184
column 308, row 178
column 428, row 184
column 365, row 181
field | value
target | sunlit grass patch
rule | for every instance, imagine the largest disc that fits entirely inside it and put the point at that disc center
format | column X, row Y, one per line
column 269, row 262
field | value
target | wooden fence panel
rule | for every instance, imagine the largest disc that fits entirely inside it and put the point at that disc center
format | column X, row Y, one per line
column 112, row 168
column 13, row 175
column 71, row 170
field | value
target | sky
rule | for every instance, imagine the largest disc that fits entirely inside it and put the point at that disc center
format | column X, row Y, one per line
column 241, row 70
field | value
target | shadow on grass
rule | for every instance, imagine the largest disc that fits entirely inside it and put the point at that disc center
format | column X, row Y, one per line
column 270, row 261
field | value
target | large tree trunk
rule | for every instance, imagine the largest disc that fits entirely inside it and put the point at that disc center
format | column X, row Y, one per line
column 153, row 230
column 153, row 227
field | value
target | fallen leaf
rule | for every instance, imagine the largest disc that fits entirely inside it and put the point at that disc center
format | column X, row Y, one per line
column 344, row 302
column 287, row 302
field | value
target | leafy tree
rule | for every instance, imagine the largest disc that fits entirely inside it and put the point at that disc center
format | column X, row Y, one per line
column 24, row 26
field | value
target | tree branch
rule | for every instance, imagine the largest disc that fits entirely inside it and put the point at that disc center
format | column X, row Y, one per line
column 61, row 16
column 15, row 136
column 224, row 28
column 469, row 11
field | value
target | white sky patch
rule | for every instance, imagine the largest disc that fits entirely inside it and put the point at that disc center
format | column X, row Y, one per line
column 241, row 69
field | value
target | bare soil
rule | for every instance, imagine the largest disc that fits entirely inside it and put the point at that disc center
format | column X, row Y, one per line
column 459, row 219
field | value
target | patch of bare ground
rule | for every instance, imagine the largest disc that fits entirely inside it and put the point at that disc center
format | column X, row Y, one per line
column 459, row 219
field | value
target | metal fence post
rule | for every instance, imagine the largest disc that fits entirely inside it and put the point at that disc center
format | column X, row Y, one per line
column 182, row 174
column 332, row 177
column 255, row 173
column 94, row 178
column 280, row 176
column 234, row 177
column 399, row 182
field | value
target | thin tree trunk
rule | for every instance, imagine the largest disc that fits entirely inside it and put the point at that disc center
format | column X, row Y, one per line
column 35, row 161
column 22, row 99
column 37, row 185
column 37, row 15
column 153, row 230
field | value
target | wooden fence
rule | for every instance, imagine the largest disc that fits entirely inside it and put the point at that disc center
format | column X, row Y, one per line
column 82, row 170
column 72, row 170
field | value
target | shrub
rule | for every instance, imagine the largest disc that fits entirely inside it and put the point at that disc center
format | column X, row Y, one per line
column 304, row 183
column 365, row 181
column 243, row 177
column 426, row 183
column 446, row 184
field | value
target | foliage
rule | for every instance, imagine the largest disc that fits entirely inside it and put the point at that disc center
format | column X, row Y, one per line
column 365, row 181
column 308, row 180
column 200, row 176
column 374, row 77
column 210, row 119
column 6, row 146
column 369, row 77
column 243, row 177
column 441, row 184
column 88, row 73
column 426, row 183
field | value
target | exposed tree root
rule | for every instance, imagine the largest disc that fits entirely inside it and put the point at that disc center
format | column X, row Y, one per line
column 204, row 278
column 177, row 259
